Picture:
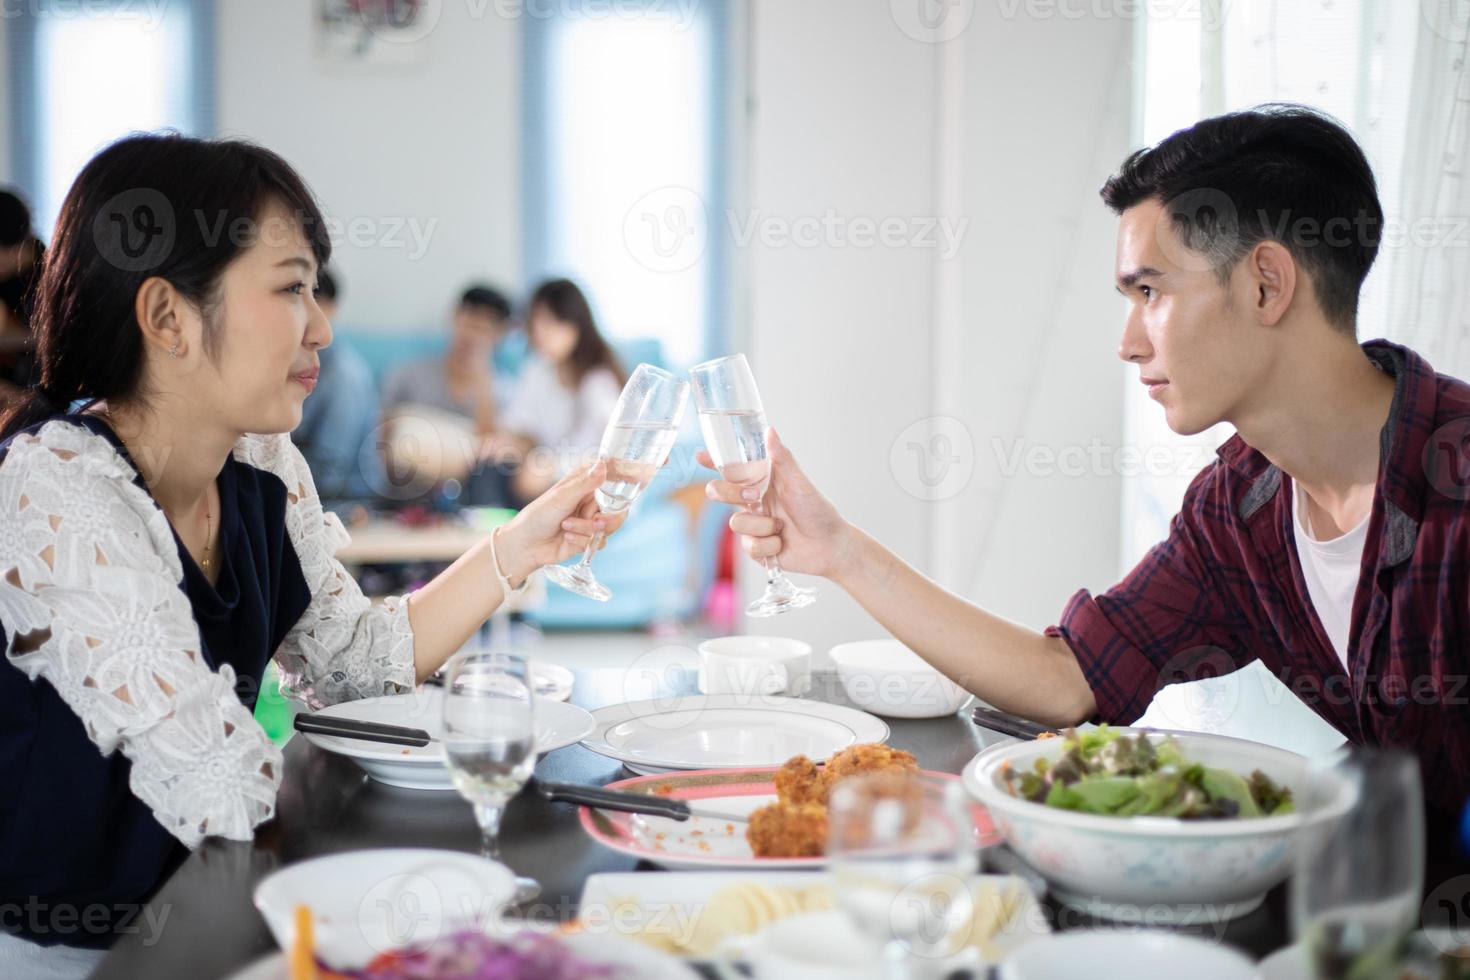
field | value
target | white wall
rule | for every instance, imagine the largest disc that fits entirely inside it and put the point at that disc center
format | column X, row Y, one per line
column 1012, row 125
column 433, row 146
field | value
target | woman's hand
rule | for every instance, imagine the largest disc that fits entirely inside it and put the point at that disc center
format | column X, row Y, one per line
column 796, row 522
column 556, row 525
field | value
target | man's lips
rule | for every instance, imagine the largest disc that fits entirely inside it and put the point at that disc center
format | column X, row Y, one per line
column 1155, row 385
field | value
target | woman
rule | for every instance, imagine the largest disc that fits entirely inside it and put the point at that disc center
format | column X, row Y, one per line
column 159, row 545
column 566, row 392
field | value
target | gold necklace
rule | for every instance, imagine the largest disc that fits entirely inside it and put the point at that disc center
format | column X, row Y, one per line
column 208, row 517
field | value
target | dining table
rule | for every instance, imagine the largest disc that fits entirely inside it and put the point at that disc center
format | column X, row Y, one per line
column 203, row 924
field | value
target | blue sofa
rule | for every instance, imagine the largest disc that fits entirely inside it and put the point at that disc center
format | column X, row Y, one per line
column 656, row 567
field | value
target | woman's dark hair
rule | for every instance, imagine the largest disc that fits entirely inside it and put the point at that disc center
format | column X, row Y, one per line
column 563, row 300
column 1279, row 171
column 481, row 296
column 147, row 205
column 326, row 284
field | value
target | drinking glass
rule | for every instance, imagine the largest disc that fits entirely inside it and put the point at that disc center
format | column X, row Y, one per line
column 901, row 850
column 489, row 734
column 734, row 425
column 1358, row 872
column 637, row 440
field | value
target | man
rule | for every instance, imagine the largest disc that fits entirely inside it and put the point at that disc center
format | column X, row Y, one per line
column 1329, row 540
column 336, row 430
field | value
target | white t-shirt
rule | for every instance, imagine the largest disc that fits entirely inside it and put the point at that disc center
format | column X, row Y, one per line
column 1331, row 569
column 568, row 422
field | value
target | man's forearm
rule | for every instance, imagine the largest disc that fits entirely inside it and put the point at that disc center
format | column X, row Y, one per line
column 1012, row 667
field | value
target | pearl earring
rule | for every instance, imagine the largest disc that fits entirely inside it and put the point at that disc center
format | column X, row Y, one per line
column 173, row 351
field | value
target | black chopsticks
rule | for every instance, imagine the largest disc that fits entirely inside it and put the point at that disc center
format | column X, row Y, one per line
column 1007, row 724
column 611, row 799
column 370, row 731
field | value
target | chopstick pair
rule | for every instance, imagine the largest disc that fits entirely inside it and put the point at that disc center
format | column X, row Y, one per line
column 611, row 799
column 368, row 731
column 1006, row 723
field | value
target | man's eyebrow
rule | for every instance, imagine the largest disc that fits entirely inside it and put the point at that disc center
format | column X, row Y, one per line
column 1128, row 279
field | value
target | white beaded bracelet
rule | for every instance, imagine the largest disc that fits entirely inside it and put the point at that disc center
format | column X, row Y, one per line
column 506, row 590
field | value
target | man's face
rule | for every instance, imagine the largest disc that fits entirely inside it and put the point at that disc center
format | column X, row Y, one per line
column 1193, row 337
column 476, row 331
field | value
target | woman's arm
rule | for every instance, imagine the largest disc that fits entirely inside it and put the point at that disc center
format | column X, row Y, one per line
column 1012, row 667
column 90, row 601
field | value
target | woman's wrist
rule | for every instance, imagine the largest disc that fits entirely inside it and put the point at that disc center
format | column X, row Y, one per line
column 516, row 562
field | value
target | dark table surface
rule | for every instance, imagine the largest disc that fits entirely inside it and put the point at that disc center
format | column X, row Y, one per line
column 210, row 928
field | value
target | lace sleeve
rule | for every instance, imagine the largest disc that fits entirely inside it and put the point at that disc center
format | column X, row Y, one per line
column 90, row 601
column 343, row 647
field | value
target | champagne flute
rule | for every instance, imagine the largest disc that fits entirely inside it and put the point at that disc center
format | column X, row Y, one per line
column 1358, row 873
column 489, row 734
column 734, row 425
column 637, row 440
column 901, row 850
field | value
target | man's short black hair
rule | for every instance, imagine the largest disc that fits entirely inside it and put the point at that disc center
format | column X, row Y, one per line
column 488, row 298
column 326, row 285
column 15, row 220
column 1283, row 172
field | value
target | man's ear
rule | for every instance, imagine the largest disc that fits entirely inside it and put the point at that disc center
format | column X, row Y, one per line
column 158, row 307
column 1273, row 272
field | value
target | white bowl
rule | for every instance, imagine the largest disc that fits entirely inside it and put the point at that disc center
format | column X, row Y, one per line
column 1103, row 955
column 1156, row 870
column 366, row 902
column 887, row 678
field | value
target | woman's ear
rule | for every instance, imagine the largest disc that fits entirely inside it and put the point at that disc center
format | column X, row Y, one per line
column 159, row 308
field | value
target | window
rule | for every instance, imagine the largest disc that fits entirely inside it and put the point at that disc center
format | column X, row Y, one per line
column 85, row 74
column 623, row 167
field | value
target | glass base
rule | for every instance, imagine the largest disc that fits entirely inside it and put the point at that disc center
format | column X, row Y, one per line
column 781, row 596
column 579, row 579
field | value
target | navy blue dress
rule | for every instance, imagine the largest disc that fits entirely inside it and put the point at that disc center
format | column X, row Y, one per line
column 72, row 834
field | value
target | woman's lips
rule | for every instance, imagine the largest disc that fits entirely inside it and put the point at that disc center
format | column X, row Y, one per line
column 307, row 380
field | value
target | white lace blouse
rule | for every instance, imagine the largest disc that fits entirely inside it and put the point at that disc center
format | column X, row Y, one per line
column 89, row 567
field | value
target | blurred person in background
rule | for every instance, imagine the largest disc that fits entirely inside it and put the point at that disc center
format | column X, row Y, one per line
column 565, row 394
column 336, row 430
column 21, row 253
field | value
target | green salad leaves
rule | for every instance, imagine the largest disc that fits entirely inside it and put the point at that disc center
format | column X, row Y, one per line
column 1104, row 771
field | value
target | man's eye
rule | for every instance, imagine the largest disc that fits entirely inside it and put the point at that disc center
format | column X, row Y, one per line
column 1147, row 291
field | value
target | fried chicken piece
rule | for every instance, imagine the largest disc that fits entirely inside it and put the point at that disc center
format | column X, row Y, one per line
column 866, row 758
column 788, row 830
column 799, row 781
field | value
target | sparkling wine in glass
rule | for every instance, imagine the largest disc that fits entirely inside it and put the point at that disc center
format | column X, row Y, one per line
column 489, row 734
column 636, row 442
column 734, row 425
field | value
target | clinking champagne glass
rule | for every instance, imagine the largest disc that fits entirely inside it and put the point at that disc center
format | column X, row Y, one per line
column 637, row 440
column 734, row 425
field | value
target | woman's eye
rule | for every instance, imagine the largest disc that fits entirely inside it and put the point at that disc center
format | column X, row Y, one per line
column 296, row 288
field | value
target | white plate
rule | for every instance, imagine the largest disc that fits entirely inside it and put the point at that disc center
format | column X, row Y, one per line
column 673, row 902
column 552, row 680
column 726, row 731
column 413, row 767
column 366, row 902
column 635, row 959
column 1125, row 955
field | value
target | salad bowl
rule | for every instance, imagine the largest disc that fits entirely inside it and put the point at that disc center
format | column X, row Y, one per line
column 1153, row 869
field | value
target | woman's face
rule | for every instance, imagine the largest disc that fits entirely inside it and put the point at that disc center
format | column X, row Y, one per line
column 269, row 330
column 553, row 338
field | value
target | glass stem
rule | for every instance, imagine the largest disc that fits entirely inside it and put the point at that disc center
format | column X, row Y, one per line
column 586, row 561
column 773, row 566
column 489, row 814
